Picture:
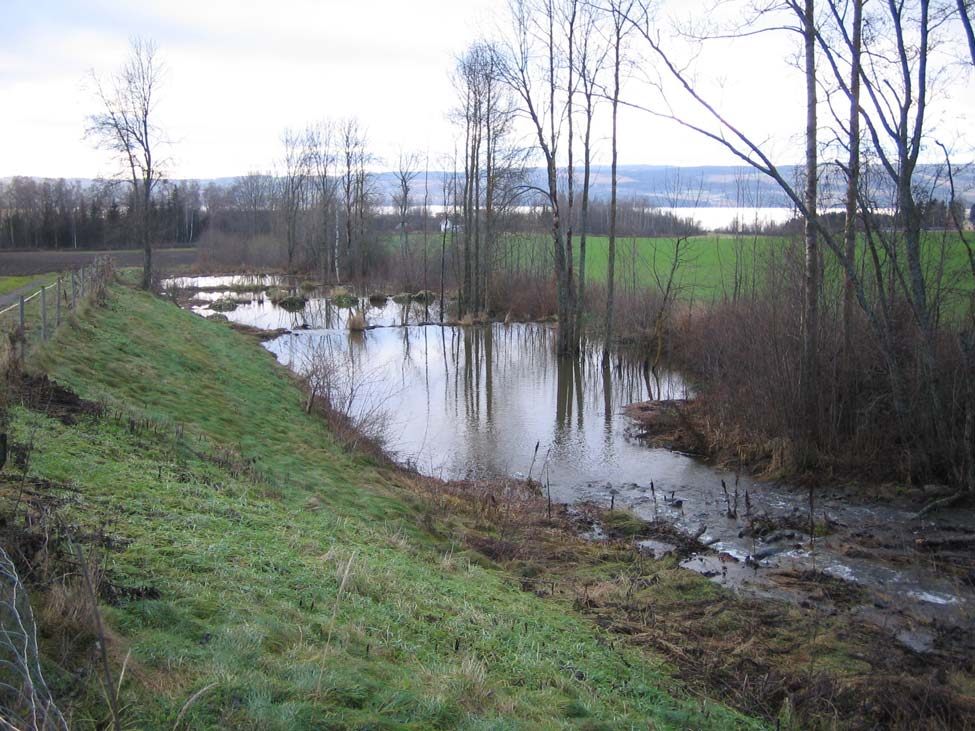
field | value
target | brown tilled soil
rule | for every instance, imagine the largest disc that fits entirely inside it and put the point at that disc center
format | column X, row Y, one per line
column 23, row 263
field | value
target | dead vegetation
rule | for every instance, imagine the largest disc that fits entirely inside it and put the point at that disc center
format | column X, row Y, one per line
column 803, row 667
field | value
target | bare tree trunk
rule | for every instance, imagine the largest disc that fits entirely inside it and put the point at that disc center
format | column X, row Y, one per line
column 808, row 378
column 852, row 183
column 146, row 238
column 464, row 301
column 611, row 263
column 966, row 21
column 569, row 324
column 584, row 215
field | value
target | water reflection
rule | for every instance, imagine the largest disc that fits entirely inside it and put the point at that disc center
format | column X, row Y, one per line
column 472, row 402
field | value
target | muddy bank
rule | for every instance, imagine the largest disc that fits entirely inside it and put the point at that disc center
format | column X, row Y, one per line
column 909, row 572
column 809, row 665
column 671, row 424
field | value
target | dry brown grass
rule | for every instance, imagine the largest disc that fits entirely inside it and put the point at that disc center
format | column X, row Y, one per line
column 357, row 321
column 766, row 658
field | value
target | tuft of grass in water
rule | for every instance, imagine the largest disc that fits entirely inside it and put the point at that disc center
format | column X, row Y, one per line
column 287, row 300
column 623, row 524
column 224, row 304
column 345, row 301
column 203, row 472
column 357, row 321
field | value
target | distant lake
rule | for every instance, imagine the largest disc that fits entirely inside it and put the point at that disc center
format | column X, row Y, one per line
column 712, row 218
column 708, row 217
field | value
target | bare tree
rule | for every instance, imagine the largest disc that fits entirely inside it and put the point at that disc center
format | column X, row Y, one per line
column 896, row 79
column 407, row 170
column 322, row 164
column 964, row 10
column 620, row 11
column 591, row 58
column 492, row 166
column 809, row 371
column 252, row 194
column 125, row 126
column 531, row 68
column 852, row 181
column 293, row 186
column 354, row 185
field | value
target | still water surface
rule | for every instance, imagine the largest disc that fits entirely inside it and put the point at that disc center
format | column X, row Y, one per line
column 473, row 402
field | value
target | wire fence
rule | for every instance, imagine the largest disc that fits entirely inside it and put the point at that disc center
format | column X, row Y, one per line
column 33, row 318
column 25, row 701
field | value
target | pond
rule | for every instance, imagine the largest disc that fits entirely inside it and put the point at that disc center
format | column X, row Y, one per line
column 473, row 402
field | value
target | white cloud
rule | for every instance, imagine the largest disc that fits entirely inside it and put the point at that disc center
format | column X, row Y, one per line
column 238, row 73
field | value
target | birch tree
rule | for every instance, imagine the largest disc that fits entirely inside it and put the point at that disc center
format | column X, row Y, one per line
column 532, row 70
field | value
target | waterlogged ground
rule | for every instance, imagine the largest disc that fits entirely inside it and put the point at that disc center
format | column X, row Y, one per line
column 473, row 402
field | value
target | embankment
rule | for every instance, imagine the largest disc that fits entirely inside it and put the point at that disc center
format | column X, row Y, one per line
column 252, row 574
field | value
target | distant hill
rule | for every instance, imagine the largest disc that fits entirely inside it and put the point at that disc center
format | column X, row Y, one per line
column 714, row 186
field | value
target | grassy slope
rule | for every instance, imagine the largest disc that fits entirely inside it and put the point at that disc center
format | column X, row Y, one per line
column 249, row 569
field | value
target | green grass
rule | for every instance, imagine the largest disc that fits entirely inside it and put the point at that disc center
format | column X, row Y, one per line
column 712, row 263
column 707, row 269
column 249, row 562
column 11, row 284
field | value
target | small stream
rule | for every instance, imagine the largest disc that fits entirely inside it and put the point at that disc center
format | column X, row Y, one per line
column 473, row 402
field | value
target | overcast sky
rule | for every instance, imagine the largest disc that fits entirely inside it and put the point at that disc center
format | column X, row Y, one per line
column 238, row 72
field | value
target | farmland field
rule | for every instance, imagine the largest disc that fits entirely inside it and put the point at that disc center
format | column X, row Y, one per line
column 710, row 263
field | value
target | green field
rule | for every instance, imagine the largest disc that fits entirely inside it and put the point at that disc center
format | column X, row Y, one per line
column 707, row 268
column 11, row 284
column 290, row 581
column 711, row 264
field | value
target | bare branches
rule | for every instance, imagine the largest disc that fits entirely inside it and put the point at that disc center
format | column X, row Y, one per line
column 296, row 161
column 125, row 126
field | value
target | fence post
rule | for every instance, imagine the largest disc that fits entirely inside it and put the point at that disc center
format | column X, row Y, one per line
column 57, row 309
column 74, row 291
column 81, row 280
column 43, row 313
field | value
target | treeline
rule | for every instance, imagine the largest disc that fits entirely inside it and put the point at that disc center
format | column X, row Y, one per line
column 39, row 214
column 317, row 211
